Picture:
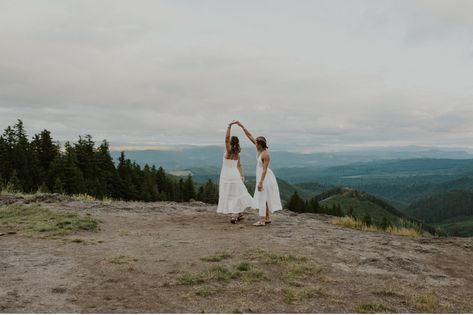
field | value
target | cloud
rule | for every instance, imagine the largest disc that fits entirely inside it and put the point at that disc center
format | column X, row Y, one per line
column 302, row 73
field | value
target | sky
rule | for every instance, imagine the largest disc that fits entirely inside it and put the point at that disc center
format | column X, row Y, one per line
column 308, row 75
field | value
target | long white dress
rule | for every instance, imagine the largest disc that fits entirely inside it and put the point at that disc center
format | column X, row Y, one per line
column 270, row 193
column 233, row 197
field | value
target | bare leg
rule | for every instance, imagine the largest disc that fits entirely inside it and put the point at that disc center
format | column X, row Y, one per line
column 268, row 218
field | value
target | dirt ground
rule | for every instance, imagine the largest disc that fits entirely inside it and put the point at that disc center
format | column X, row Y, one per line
column 136, row 262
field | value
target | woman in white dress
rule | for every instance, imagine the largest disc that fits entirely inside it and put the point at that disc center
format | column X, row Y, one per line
column 267, row 199
column 233, row 196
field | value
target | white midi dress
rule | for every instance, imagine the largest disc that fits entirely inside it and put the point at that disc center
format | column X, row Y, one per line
column 270, row 193
column 233, row 197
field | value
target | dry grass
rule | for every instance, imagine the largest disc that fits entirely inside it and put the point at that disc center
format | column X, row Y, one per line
column 291, row 295
column 83, row 197
column 373, row 308
column 121, row 259
column 353, row 223
column 426, row 303
column 218, row 256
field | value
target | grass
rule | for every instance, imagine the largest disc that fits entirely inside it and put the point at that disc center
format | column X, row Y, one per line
column 273, row 258
column 34, row 218
column 296, row 272
column 387, row 292
column 426, row 303
column 373, row 308
column 353, row 223
column 83, row 197
column 205, row 291
column 218, row 256
column 243, row 271
column 121, row 259
column 291, row 295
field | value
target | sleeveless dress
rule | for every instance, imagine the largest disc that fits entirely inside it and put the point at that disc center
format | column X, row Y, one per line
column 233, row 197
column 270, row 193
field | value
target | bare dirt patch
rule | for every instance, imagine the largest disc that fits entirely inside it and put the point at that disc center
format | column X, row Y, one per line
column 170, row 257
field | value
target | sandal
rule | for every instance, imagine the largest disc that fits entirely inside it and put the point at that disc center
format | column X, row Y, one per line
column 267, row 222
column 259, row 223
column 240, row 217
column 233, row 220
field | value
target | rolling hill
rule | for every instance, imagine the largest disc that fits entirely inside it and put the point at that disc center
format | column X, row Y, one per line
column 451, row 211
column 364, row 203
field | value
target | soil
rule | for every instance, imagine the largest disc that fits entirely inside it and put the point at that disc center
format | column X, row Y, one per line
column 159, row 242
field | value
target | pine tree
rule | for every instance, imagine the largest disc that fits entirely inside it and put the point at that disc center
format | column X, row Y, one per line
column 189, row 190
column 385, row 223
column 350, row 212
column 14, row 184
column 296, row 203
column 58, row 188
column 313, row 205
column 367, row 219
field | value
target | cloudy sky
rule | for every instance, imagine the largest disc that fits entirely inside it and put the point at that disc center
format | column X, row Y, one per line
column 306, row 74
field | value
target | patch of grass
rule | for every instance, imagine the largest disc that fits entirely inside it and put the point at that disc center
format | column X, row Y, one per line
column 274, row 258
column 121, row 259
column 83, row 197
column 297, row 271
column 222, row 273
column 291, row 295
column 205, row 291
column 237, row 311
column 426, row 303
column 373, row 308
column 353, row 223
column 189, row 278
column 218, row 256
column 33, row 218
column 243, row 266
column 253, row 275
column 387, row 292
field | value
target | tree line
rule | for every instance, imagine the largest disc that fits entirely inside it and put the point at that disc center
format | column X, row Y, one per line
column 42, row 164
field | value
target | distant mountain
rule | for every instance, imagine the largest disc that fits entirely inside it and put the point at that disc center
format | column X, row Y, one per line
column 451, row 210
column 177, row 158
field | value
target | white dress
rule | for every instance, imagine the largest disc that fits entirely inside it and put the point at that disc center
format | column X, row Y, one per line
column 270, row 193
column 233, row 197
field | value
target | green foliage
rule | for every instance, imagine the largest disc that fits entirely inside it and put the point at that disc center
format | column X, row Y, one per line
column 85, row 168
column 367, row 219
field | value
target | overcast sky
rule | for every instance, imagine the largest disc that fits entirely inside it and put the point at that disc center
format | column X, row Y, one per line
column 306, row 74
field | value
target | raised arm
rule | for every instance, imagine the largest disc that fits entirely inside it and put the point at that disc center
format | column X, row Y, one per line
column 247, row 133
column 227, row 136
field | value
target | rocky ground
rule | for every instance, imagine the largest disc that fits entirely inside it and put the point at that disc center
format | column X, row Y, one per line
column 183, row 257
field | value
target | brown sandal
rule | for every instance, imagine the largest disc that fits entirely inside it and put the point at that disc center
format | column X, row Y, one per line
column 240, row 217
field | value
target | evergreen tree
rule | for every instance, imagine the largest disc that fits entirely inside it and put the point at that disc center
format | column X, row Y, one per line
column 296, row 203
column 350, row 212
column 209, row 193
column 313, row 205
column 367, row 219
column 189, row 190
column 58, row 188
column 385, row 223
column 14, row 184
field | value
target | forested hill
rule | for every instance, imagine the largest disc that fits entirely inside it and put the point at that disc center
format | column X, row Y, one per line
column 82, row 167
column 451, row 211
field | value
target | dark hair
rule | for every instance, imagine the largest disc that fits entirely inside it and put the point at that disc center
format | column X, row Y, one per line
column 262, row 142
column 234, row 146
